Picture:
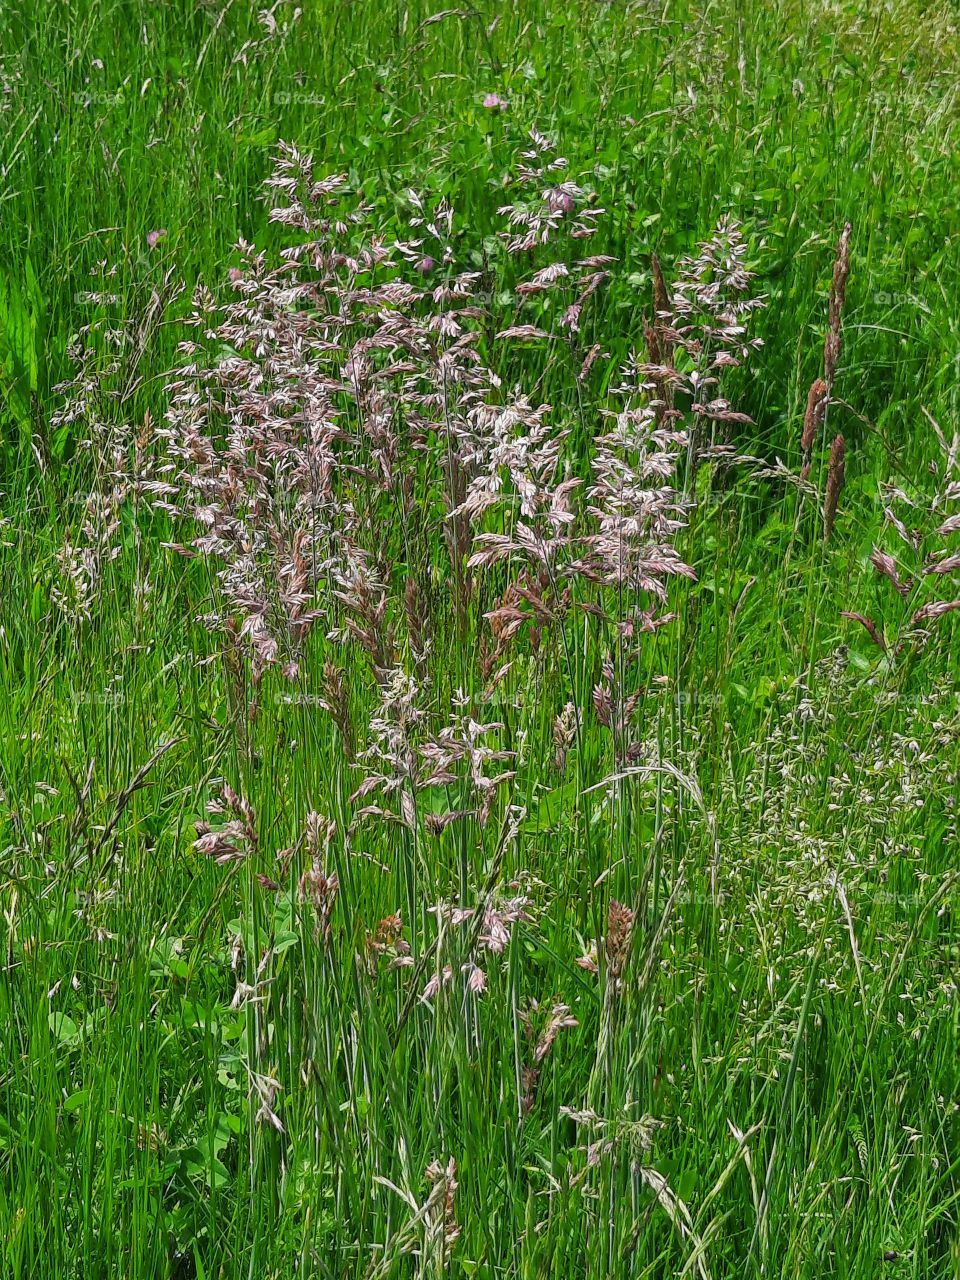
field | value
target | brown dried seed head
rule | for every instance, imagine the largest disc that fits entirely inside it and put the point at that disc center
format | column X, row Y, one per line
column 564, row 732
column 661, row 294
column 321, row 889
column 659, row 337
column 603, row 704
column 336, row 700
column 869, row 626
column 529, row 1077
column 831, row 355
column 560, row 1017
column 838, row 295
column 886, row 565
column 934, row 610
column 813, row 418
column 619, row 933
column 835, row 478
column 838, row 286
column 415, row 607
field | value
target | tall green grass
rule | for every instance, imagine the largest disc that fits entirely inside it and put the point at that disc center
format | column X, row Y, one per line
column 773, row 1090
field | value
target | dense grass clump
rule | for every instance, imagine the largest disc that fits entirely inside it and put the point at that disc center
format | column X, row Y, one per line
column 480, row 544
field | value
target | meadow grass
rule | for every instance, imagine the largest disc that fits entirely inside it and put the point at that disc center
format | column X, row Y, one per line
column 676, row 994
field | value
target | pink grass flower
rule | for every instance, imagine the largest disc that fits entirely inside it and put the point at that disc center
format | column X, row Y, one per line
column 559, row 201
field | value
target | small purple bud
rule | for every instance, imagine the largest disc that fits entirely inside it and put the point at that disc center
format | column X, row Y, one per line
column 154, row 236
column 426, row 265
column 493, row 102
